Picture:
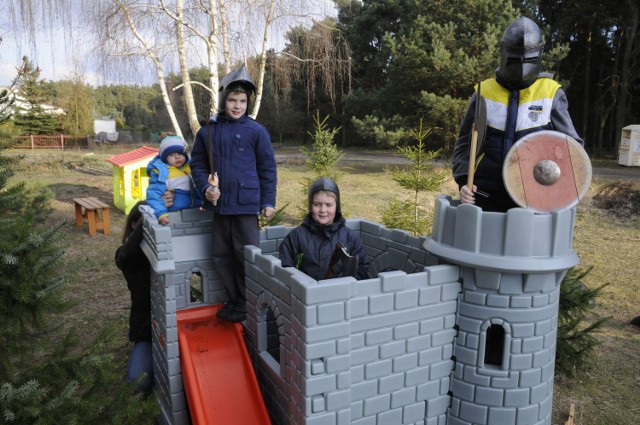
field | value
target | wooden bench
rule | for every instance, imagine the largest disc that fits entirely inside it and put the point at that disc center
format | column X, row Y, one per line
column 90, row 209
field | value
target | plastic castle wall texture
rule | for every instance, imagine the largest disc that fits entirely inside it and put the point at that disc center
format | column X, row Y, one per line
column 457, row 328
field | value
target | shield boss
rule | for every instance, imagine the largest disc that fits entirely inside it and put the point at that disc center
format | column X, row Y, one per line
column 547, row 171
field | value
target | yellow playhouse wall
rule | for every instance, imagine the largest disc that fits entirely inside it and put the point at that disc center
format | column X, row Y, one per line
column 124, row 197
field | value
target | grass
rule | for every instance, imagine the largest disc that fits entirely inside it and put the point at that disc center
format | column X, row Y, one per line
column 608, row 393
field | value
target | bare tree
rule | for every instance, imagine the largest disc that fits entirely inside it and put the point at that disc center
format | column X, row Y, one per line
column 319, row 55
column 244, row 28
column 131, row 14
column 184, row 71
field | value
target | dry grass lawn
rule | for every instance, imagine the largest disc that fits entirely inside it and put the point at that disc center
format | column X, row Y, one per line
column 607, row 394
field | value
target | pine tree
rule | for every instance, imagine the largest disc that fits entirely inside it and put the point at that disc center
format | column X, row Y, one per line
column 31, row 117
column 576, row 329
column 46, row 377
column 322, row 158
column 324, row 155
column 417, row 177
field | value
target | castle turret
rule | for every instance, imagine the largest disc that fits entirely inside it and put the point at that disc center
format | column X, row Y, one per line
column 511, row 267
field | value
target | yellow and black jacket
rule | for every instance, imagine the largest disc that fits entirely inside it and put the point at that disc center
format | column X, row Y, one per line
column 511, row 115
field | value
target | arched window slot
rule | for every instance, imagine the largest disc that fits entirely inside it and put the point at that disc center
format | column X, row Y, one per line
column 196, row 292
column 273, row 339
column 494, row 346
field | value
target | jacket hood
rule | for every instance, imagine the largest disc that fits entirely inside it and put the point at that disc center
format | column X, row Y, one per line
column 326, row 184
column 235, row 81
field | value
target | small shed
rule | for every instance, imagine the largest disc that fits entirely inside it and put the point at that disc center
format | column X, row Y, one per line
column 629, row 152
column 130, row 178
column 104, row 125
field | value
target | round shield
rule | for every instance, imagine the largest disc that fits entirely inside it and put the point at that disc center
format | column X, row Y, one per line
column 547, row 171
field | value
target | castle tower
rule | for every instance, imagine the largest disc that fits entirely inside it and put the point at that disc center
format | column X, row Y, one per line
column 511, row 267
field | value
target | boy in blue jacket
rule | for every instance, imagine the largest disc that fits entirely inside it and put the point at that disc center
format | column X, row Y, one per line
column 238, row 149
column 170, row 171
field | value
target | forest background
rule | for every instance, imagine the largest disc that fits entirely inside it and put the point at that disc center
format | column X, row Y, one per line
column 375, row 69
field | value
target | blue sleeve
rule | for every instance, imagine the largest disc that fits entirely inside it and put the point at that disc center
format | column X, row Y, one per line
column 155, row 190
column 267, row 169
column 200, row 168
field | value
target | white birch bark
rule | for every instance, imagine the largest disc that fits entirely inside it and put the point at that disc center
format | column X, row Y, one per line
column 189, row 101
column 153, row 55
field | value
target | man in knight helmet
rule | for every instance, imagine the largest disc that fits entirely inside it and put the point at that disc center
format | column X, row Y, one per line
column 234, row 167
column 519, row 100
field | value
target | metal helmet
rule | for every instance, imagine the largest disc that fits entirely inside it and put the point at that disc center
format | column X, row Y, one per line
column 235, row 81
column 328, row 185
column 521, row 52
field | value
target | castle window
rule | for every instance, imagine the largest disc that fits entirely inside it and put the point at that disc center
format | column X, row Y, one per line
column 196, row 293
column 273, row 339
column 494, row 346
column 270, row 333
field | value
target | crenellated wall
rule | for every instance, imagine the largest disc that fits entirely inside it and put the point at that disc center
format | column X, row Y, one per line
column 374, row 351
column 455, row 329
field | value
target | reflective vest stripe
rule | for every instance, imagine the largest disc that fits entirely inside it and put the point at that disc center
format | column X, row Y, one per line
column 534, row 108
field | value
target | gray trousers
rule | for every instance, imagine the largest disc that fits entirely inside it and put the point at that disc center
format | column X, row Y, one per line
column 230, row 234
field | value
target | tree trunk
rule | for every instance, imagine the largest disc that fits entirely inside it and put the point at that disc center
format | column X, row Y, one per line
column 587, row 81
column 263, row 58
column 151, row 53
column 224, row 24
column 184, row 69
column 626, row 77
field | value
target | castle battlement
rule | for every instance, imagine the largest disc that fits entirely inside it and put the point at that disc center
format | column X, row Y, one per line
column 456, row 328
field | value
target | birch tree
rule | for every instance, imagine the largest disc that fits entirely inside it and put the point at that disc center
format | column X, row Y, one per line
column 232, row 31
column 184, row 70
column 124, row 19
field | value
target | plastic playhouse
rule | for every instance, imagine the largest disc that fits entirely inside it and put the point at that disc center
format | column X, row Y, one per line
column 130, row 178
column 457, row 328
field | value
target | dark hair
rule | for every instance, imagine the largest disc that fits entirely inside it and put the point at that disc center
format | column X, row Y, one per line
column 134, row 216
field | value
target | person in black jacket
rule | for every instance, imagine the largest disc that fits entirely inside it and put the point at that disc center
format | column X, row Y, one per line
column 135, row 267
column 310, row 246
column 519, row 100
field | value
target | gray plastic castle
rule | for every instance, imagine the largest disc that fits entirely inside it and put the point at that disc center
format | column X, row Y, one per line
column 457, row 328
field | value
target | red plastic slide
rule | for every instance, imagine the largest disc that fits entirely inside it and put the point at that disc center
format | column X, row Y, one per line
column 217, row 374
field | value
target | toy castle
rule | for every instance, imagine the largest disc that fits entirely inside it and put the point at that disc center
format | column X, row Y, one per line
column 457, row 328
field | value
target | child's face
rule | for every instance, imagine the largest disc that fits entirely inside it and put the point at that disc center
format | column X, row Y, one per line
column 323, row 207
column 236, row 105
column 176, row 159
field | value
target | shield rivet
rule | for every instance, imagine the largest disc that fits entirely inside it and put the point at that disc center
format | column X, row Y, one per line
column 546, row 172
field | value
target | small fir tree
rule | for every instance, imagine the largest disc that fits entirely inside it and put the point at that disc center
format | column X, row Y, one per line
column 45, row 376
column 30, row 117
column 324, row 155
column 418, row 177
column 576, row 337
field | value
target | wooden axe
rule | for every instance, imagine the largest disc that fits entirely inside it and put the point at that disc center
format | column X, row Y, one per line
column 477, row 135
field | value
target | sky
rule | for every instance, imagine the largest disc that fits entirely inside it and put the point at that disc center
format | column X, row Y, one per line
column 56, row 61
column 58, row 54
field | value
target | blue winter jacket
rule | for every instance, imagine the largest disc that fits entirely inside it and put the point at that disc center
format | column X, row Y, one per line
column 163, row 177
column 244, row 160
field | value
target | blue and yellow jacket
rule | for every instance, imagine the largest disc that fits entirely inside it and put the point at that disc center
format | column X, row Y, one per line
column 163, row 177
